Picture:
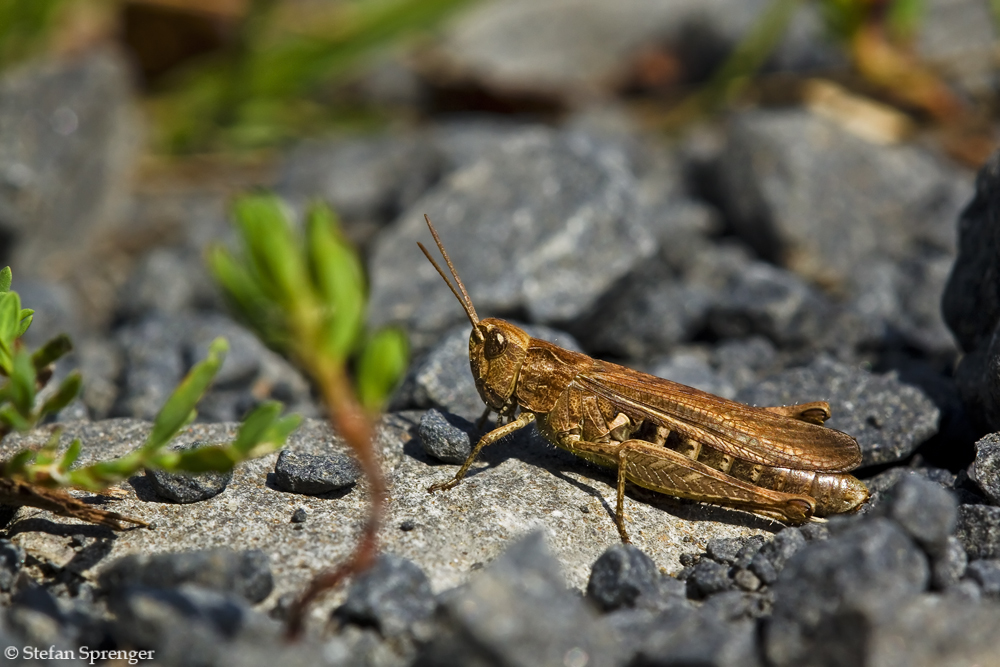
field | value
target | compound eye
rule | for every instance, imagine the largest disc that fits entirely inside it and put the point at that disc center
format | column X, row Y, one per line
column 496, row 344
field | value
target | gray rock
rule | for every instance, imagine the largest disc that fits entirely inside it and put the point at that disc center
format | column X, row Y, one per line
column 814, row 532
column 154, row 365
column 965, row 591
column 365, row 180
column 184, row 488
column 952, row 37
column 57, row 311
column 792, row 184
column 392, row 596
column 927, row 511
column 927, row 631
column 708, row 578
column 889, row 418
column 986, row 573
column 768, row 563
column 35, row 616
column 738, row 605
column 518, row 612
column 442, row 378
column 977, row 387
column 747, row 552
column 859, row 575
column 664, row 301
column 746, row 580
column 545, row 223
column 187, row 625
column 446, row 438
column 971, row 301
column 11, row 561
column 168, row 281
column 985, row 470
column 101, row 366
column 299, row 515
column 948, row 566
column 312, row 474
column 623, row 577
column 160, row 349
column 723, row 550
column 225, row 614
column 246, row 574
column 979, row 530
column 69, row 140
column 746, row 361
column 767, row 301
column 578, row 48
column 701, row 638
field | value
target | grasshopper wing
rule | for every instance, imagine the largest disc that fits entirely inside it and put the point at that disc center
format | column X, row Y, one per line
column 745, row 432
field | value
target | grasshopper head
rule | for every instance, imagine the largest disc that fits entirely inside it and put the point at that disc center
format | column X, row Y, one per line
column 496, row 348
column 496, row 352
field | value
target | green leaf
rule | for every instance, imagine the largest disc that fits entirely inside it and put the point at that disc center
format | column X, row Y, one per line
column 256, row 425
column 71, row 455
column 14, row 467
column 5, row 279
column 251, row 302
column 22, row 383
column 203, row 459
column 51, row 351
column 12, row 418
column 67, row 391
column 277, row 435
column 270, row 245
column 10, row 320
column 178, row 409
column 49, row 451
column 380, row 366
column 338, row 274
column 27, row 315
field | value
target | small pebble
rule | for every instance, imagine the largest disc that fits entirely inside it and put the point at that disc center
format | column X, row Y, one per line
column 310, row 474
column 407, row 525
column 622, row 575
column 746, row 580
column 446, row 436
column 299, row 515
column 188, row 488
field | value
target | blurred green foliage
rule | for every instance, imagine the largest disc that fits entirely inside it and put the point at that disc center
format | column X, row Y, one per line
column 24, row 27
column 262, row 432
column 260, row 91
column 845, row 18
column 305, row 295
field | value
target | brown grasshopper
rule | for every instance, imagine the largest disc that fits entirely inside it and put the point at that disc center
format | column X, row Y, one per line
column 779, row 462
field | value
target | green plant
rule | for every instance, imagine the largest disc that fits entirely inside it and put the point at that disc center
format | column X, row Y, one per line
column 24, row 27
column 27, row 372
column 29, row 476
column 263, row 431
column 262, row 90
column 305, row 294
column 877, row 35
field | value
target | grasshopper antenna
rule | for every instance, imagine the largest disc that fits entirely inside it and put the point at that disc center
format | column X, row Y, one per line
column 466, row 302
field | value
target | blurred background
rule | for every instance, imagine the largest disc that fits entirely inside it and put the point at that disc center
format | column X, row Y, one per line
column 813, row 154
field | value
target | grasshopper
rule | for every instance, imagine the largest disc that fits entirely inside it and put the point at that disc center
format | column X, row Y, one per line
column 778, row 462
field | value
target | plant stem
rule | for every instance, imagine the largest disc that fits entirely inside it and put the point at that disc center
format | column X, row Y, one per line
column 352, row 422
